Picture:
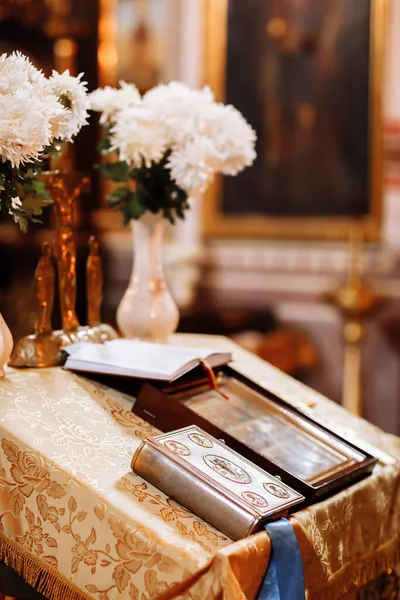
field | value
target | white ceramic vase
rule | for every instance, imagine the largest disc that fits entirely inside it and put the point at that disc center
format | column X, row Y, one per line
column 6, row 345
column 147, row 310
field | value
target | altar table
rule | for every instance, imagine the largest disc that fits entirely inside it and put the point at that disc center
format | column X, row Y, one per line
column 77, row 524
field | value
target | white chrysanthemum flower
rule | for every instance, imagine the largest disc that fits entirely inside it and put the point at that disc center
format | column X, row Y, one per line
column 16, row 72
column 202, row 137
column 175, row 91
column 191, row 167
column 109, row 101
column 233, row 138
column 72, row 94
column 34, row 112
column 59, row 120
column 58, row 116
column 24, row 133
column 178, row 107
column 31, row 113
column 139, row 136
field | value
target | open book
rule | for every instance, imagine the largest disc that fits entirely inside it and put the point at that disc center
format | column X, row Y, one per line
column 147, row 360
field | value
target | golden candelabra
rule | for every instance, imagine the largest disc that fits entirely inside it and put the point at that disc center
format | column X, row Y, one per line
column 65, row 189
column 43, row 348
column 355, row 300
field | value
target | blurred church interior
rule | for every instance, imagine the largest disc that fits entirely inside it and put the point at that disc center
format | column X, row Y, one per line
column 262, row 257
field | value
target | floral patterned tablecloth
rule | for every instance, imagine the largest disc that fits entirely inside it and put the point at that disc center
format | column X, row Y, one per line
column 77, row 523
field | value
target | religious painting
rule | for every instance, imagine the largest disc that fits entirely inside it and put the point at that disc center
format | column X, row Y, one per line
column 139, row 41
column 132, row 39
column 306, row 75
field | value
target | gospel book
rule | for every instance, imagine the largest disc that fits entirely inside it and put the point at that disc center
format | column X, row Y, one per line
column 213, row 481
column 146, row 360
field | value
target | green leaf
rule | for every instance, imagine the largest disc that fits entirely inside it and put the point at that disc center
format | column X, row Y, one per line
column 30, row 173
column 104, row 146
column 135, row 205
column 120, row 193
column 33, row 203
column 54, row 149
column 38, row 187
column 155, row 190
column 118, row 197
column 117, row 171
column 126, row 214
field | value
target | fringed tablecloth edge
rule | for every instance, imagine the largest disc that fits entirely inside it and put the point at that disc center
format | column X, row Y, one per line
column 373, row 567
column 37, row 573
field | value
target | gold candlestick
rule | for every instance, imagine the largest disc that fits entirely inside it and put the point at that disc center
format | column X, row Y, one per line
column 45, row 282
column 97, row 331
column 355, row 300
column 94, row 283
column 42, row 349
column 65, row 189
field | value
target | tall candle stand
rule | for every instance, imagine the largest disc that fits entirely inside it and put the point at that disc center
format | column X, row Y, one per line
column 355, row 300
column 65, row 189
column 43, row 347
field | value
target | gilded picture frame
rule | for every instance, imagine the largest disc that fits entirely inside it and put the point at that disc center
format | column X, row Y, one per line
column 220, row 223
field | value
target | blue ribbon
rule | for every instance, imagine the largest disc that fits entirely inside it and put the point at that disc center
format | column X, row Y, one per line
column 284, row 579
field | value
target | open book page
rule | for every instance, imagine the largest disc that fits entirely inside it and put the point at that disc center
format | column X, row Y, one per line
column 141, row 359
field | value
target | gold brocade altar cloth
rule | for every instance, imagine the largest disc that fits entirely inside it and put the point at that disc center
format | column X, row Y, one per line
column 76, row 523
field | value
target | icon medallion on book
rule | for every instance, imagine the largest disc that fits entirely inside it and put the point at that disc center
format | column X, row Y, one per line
column 226, row 468
column 177, row 447
column 255, row 499
column 200, row 440
column 276, row 490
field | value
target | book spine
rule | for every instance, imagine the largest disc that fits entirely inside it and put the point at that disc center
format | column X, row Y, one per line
column 192, row 492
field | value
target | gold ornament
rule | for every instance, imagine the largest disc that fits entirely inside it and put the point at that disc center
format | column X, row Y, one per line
column 65, row 189
column 94, row 283
column 42, row 349
column 355, row 300
column 44, row 283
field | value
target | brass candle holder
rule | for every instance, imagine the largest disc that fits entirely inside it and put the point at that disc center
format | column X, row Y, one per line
column 355, row 300
column 65, row 189
column 43, row 347
column 96, row 330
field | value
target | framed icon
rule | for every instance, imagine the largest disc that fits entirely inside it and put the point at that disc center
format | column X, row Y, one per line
column 307, row 75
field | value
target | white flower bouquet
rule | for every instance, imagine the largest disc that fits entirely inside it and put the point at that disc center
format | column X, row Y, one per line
column 170, row 142
column 36, row 115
